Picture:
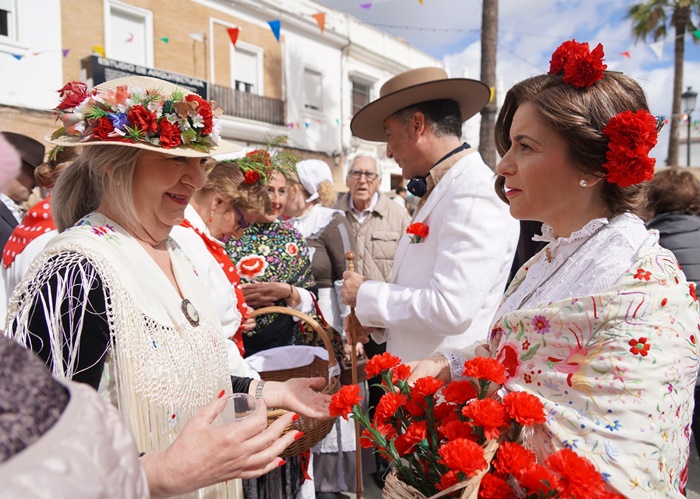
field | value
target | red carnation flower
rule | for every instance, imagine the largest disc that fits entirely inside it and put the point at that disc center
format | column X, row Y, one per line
column 169, row 134
column 417, row 231
column 442, row 411
column 251, row 177
column 204, row 110
column 415, row 434
column 102, row 128
column 513, row 459
column 489, row 414
column 538, row 481
column 387, row 430
column 691, row 288
column 495, row 487
column 454, row 429
column 260, row 156
column 447, row 480
column 581, row 66
column 400, row 372
column 343, row 400
column 632, row 135
column 416, row 407
column 366, row 440
column 426, row 387
column 485, row 368
column 389, row 404
column 459, row 392
column 72, row 94
column 379, row 363
column 525, row 408
column 561, row 55
column 463, row 455
column 142, row 119
column 578, row 476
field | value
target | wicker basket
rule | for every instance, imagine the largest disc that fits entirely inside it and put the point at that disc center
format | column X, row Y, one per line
column 394, row 488
column 314, row 430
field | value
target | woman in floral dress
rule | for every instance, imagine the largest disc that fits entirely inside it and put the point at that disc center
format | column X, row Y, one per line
column 601, row 324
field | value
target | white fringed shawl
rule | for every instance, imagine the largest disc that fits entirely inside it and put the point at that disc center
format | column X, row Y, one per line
column 159, row 369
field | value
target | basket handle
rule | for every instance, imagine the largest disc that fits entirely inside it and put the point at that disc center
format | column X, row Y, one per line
column 306, row 318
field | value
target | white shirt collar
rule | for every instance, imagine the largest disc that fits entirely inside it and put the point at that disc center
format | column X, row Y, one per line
column 361, row 215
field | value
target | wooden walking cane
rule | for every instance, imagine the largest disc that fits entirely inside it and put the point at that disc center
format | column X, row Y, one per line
column 352, row 334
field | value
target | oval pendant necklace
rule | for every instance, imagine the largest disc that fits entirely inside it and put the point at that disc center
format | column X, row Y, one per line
column 190, row 312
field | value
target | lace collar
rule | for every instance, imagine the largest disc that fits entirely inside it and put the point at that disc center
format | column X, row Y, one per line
column 559, row 244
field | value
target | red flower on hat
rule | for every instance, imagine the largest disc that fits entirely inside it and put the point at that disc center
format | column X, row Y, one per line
column 102, row 128
column 251, row 177
column 580, row 66
column 72, row 94
column 632, row 136
column 204, row 110
column 169, row 135
column 142, row 119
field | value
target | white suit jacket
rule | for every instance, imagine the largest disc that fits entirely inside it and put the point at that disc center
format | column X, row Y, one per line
column 444, row 290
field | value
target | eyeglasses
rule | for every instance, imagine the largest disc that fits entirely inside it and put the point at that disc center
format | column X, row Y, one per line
column 242, row 223
column 356, row 174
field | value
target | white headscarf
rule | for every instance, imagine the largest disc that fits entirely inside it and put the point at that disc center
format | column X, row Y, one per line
column 312, row 173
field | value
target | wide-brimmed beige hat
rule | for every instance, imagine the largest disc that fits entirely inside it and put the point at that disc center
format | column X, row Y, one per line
column 413, row 87
column 165, row 119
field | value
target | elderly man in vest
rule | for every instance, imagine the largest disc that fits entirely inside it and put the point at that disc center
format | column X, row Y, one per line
column 452, row 263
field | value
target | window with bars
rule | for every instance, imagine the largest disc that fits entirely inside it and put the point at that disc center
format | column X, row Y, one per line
column 361, row 92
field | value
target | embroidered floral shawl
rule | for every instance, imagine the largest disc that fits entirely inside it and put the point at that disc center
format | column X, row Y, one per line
column 616, row 372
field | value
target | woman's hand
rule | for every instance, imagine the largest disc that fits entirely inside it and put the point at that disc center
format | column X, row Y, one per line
column 204, row 454
column 264, row 294
column 249, row 323
column 299, row 395
column 437, row 367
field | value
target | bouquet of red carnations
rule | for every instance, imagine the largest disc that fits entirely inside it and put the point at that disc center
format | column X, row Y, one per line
column 441, row 439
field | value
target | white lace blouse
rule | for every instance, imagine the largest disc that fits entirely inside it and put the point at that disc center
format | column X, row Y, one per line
column 587, row 262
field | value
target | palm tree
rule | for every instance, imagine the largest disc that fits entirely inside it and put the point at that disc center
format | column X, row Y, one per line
column 651, row 19
column 489, row 49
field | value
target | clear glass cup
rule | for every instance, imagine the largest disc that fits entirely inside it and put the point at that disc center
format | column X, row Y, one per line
column 240, row 406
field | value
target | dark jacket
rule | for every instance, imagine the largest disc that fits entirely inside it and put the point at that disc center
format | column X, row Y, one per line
column 8, row 222
column 680, row 233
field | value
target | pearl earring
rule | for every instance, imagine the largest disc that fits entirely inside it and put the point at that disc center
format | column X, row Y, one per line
column 583, row 182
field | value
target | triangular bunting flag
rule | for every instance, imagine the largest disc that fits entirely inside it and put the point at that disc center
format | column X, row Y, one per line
column 492, row 93
column 99, row 49
column 658, row 48
column 321, row 20
column 164, row 39
column 366, row 5
column 17, row 56
column 233, row 34
column 627, row 54
column 420, row 2
column 275, row 27
column 696, row 34
column 65, row 52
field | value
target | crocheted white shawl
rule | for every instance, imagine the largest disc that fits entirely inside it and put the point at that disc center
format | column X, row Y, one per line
column 159, row 369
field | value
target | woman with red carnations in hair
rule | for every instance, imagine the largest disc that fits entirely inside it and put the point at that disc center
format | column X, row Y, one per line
column 601, row 325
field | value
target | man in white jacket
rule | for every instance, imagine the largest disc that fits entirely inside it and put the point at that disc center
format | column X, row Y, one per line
column 451, row 266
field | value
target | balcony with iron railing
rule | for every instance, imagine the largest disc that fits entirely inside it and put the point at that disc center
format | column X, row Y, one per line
column 248, row 105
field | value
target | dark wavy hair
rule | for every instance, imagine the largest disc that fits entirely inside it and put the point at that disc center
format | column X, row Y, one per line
column 674, row 190
column 578, row 116
column 443, row 116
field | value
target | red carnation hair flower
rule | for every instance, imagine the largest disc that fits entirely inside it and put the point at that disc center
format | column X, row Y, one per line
column 632, row 136
column 251, row 177
column 343, row 400
column 525, row 408
column 580, row 66
column 379, row 363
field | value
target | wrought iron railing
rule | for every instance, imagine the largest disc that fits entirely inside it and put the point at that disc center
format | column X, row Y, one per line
column 247, row 105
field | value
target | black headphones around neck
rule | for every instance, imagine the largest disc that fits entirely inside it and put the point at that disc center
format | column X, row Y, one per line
column 418, row 186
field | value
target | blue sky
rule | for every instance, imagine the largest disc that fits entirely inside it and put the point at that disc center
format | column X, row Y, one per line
column 529, row 31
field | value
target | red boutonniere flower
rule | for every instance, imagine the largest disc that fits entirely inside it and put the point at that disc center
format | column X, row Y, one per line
column 632, row 136
column 417, row 231
column 580, row 66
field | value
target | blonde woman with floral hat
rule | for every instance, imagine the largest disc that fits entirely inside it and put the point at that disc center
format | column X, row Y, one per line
column 113, row 302
column 601, row 325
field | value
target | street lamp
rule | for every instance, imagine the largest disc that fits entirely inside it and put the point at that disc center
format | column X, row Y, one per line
column 689, row 97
